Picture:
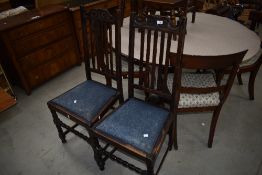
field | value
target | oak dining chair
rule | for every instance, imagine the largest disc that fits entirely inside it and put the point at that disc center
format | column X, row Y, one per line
column 88, row 102
column 201, row 92
column 137, row 128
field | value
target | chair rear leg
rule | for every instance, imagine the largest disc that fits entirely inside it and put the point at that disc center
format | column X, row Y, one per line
column 57, row 122
column 175, row 133
column 251, row 84
column 193, row 16
column 239, row 78
column 213, row 126
column 171, row 136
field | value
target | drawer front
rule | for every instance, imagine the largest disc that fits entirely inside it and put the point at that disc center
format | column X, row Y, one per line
column 37, row 25
column 45, row 54
column 44, row 72
column 29, row 44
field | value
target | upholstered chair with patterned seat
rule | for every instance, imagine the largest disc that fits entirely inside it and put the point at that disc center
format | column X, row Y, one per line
column 200, row 92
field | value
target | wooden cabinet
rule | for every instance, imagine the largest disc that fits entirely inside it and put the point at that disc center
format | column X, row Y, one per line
column 39, row 44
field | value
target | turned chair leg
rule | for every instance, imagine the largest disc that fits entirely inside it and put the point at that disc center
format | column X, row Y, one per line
column 57, row 122
column 213, row 126
column 150, row 168
column 239, row 78
column 251, row 84
column 97, row 152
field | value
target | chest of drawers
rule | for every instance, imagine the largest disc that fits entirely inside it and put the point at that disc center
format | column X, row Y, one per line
column 39, row 45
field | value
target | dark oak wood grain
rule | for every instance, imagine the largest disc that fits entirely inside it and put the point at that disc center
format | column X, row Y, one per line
column 34, row 45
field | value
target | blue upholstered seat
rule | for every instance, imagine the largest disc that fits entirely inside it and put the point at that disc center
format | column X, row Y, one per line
column 133, row 122
column 86, row 99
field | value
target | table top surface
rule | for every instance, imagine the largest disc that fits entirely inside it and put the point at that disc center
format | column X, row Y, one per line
column 210, row 35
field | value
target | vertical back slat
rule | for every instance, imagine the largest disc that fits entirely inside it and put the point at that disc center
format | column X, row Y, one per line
column 131, row 56
column 148, row 46
column 85, row 44
column 92, row 48
column 153, row 68
column 141, row 60
column 99, row 44
column 167, row 61
column 161, row 67
column 106, row 48
column 111, row 48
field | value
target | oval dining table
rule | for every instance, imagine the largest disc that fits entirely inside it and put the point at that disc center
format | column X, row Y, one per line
column 210, row 35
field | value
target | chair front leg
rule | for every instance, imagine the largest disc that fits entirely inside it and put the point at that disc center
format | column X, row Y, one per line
column 213, row 126
column 57, row 123
column 97, row 152
column 150, row 168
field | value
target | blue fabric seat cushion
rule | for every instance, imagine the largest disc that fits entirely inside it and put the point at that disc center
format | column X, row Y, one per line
column 136, row 123
column 86, row 100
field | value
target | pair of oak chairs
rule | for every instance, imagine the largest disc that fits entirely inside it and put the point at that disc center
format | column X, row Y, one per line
column 134, row 126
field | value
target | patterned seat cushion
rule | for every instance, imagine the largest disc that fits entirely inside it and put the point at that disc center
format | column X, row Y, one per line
column 197, row 81
column 135, row 123
column 12, row 12
column 86, row 99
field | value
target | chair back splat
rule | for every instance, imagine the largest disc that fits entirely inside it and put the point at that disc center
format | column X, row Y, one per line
column 155, row 42
column 100, row 55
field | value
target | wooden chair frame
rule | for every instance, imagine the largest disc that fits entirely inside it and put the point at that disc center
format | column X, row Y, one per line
column 219, row 63
column 146, row 83
column 95, row 62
